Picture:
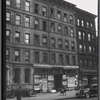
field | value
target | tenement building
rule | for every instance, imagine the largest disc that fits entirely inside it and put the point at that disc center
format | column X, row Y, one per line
column 41, row 48
column 86, row 46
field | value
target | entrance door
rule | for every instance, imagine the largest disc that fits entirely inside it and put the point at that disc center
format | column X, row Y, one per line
column 57, row 82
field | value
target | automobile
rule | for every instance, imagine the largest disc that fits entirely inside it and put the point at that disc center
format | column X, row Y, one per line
column 87, row 91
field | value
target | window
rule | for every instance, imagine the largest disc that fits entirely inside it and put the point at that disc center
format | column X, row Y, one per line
column 51, row 12
column 36, row 57
column 71, row 19
column 85, row 63
column 59, row 29
column 52, row 27
column 91, row 64
column 67, row 60
column 73, row 60
column 27, row 38
column 85, row 48
column 44, row 26
column 93, row 38
column 36, row 24
column 45, row 58
column 79, row 35
column 27, row 55
column 27, row 75
column 89, row 37
column 27, row 21
column 7, row 35
column 18, row 19
column 53, row 42
column 36, row 8
column 82, row 22
column 59, row 14
column 73, row 46
column 90, row 49
column 27, row 6
column 17, row 37
column 60, row 44
column 8, row 2
column 8, row 16
column 36, row 40
column 44, row 11
column 72, row 32
column 16, row 75
column 17, row 55
column 91, row 25
column 78, row 22
column 94, row 49
column 80, row 48
column 84, row 36
column 44, row 41
column 18, row 3
column 66, row 31
column 60, row 59
column 66, row 45
column 81, row 63
column 87, row 24
column 7, row 54
column 53, row 58
column 65, row 17
column 7, row 75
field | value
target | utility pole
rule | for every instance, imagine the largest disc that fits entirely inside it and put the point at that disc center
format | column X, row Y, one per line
column 99, row 49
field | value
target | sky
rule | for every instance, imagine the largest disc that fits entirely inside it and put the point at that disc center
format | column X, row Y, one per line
column 87, row 5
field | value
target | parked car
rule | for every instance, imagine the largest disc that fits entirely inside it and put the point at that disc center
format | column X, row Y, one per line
column 87, row 91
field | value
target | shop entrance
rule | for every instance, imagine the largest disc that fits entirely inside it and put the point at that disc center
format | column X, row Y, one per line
column 57, row 82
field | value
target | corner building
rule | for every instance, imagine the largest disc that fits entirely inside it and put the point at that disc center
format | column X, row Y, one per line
column 41, row 45
column 86, row 47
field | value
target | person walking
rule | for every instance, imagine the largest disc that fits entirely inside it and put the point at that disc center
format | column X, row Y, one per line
column 19, row 93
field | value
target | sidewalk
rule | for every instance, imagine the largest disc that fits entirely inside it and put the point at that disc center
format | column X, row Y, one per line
column 49, row 96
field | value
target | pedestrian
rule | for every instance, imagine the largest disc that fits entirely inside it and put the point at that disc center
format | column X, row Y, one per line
column 19, row 93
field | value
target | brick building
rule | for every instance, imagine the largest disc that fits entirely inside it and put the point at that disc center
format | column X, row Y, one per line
column 41, row 48
column 86, row 46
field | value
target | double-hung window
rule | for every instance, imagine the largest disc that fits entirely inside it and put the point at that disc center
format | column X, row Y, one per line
column 18, row 19
column 27, row 21
column 18, row 3
column 17, row 37
column 8, row 16
column 36, row 24
column 17, row 55
column 27, row 6
column 44, row 11
column 27, row 38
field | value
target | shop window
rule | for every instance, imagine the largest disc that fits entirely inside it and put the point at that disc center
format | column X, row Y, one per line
column 17, row 37
column 8, row 2
column 45, row 58
column 59, row 14
column 27, row 56
column 27, row 21
column 8, row 16
column 59, row 29
column 8, row 35
column 7, row 54
column 36, row 57
column 73, row 60
column 72, row 32
column 36, row 40
column 60, row 44
column 18, row 19
column 79, row 35
column 36, row 8
column 71, row 19
column 17, row 55
column 60, row 59
column 27, row 75
column 51, row 12
column 18, row 3
column 73, row 46
column 53, row 42
column 27, row 38
column 44, row 26
column 67, row 60
column 27, row 6
column 44, row 41
column 16, row 75
column 65, row 17
column 36, row 24
column 66, row 45
column 66, row 31
column 52, row 27
column 44, row 11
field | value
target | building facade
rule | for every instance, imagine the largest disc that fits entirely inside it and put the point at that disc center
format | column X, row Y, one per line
column 86, row 47
column 41, row 48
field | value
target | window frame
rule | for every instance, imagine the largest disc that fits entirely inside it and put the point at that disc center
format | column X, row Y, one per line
column 17, row 57
column 18, row 21
column 27, row 21
column 27, row 5
column 17, row 38
column 27, row 39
